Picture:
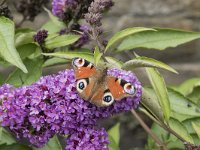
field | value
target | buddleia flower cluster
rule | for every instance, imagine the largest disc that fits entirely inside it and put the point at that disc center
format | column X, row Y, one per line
column 94, row 16
column 5, row 11
column 40, row 36
column 68, row 10
column 52, row 106
column 30, row 8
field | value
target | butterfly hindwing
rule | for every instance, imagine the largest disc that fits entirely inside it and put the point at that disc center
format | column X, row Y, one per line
column 119, row 87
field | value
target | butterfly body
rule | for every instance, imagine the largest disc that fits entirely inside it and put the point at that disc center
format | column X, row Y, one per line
column 95, row 86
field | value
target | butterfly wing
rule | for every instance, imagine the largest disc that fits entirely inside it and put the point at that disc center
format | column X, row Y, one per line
column 85, row 74
column 83, row 68
column 120, row 88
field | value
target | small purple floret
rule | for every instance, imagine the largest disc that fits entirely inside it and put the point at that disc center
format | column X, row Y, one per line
column 52, row 106
column 40, row 36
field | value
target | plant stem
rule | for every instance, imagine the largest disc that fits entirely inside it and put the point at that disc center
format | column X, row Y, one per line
column 148, row 130
column 167, row 128
column 96, row 38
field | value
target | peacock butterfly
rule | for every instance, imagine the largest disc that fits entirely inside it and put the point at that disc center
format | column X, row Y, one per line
column 95, row 86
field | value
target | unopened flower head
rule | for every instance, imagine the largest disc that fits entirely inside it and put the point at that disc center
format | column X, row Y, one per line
column 40, row 36
column 30, row 8
column 67, row 10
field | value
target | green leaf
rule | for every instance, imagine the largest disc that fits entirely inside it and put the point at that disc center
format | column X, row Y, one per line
column 6, row 137
column 53, row 144
column 15, row 147
column 150, row 102
column 114, row 132
column 196, row 128
column 182, row 105
column 26, row 50
column 18, row 78
column 196, row 139
column 24, row 38
column 114, row 137
column 194, row 96
column 124, row 33
column 171, row 141
column 55, row 61
column 97, row 55
column 70, row 55
column 23, row 30
column 189, row 126
column 50, row 27
column 160, row 89
column 62, row 40
column 146, row 62
column 7, row 46
column 112, row 145
column 55, row 19
column 180, row 129
column 159, row 40
column 1, row 79
column 113, row 62
column 186, row 87
column 54, row 25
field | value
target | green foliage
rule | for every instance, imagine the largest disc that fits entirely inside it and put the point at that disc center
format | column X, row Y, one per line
column 1, row 79
column 182, row 106
column 180, row 129
column 7, row 46
column 160, row 89
column 142, row 61
column 196, row 127
column 59, row 41
column 114, row 137
column 53, row 144
column 186, row 87
column 53, row 25
column 159, row 39
column 24, row 37
column 171, row 141
column 6, row 137
column 54, row 19
column 15, row 147
column 26, row 50
column 18, row 78
column 70, row 55
column 188, row 124
column 114, row 62
column 124, row 33
column 97, row 55
column 151, row 104
column 55, row 61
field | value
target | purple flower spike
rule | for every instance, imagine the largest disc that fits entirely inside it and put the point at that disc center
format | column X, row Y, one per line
column 84, row 39
column 63, row 9
column 52, row 106
column 40, row 36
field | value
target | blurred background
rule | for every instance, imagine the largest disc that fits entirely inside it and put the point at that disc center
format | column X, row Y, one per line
column 181, row 14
